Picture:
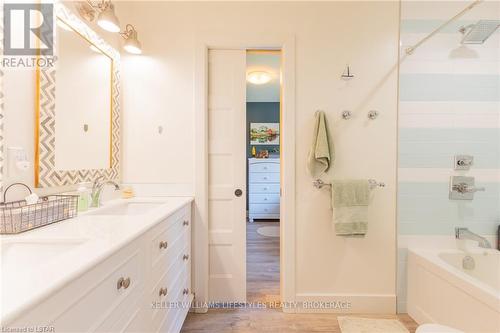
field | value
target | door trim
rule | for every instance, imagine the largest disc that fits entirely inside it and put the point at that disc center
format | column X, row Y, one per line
column 286, row 43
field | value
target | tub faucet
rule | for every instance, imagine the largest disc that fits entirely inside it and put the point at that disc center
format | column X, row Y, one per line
column 465, row 233
column 97, row 187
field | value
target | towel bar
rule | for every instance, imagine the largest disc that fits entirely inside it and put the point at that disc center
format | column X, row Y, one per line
column 318, row 183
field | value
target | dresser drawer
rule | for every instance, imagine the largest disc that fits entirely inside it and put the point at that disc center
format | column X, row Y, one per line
column 264, row 198
column 273, row 177
column 264, row 208
column 264, row 188
column 264, row 167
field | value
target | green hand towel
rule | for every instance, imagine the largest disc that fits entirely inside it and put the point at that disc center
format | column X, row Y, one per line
column 321, row 155
column 350, row 199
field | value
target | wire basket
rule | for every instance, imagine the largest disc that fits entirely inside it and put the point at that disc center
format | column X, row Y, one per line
column 18, row 216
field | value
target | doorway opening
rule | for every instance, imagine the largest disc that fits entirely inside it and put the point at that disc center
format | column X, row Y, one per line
column 263, row 128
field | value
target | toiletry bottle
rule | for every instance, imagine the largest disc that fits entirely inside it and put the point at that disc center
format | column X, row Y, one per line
column 83, row 199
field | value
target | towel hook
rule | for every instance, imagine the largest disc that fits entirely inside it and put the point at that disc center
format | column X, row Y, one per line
column 372, row 114
column 346, row 114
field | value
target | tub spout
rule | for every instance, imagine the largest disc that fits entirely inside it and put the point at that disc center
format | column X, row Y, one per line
column 465, row 233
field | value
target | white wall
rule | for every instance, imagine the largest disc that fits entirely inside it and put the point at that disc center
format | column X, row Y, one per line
column 158, row 90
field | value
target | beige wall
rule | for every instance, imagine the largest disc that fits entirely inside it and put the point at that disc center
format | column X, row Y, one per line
column 158, row 90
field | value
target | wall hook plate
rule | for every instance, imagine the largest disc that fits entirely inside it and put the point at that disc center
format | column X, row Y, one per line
column 373, row 114
column 346, row 115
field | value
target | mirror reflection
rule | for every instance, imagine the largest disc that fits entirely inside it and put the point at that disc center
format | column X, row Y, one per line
column 83, row 102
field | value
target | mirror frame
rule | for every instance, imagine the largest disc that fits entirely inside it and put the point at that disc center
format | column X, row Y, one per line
column 46, row 174
column 1, row 106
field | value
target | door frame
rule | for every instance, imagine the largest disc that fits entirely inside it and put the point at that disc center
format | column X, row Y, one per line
column 285, row 43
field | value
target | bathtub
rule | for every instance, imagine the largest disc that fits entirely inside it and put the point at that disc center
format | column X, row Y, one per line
column 441, row 290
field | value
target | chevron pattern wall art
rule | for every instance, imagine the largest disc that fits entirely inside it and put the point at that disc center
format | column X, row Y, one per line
column 48, row 175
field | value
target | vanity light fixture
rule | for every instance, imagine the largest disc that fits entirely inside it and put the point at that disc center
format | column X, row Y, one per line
column 105, row 12
column 132, row 44
column 107, row 18
column 259, row 77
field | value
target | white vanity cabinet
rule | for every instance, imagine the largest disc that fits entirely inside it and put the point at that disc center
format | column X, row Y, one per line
column 145, row 286
column 263, row 188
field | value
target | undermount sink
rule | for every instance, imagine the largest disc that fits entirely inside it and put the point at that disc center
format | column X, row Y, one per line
column 27, row 254
column 127, row 208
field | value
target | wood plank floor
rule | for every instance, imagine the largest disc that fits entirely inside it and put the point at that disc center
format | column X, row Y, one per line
column 263, row 264
column 263, row 286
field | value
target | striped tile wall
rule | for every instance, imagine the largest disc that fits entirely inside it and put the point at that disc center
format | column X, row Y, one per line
column 449, row 104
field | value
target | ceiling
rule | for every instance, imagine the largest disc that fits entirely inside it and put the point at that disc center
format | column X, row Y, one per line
column 268, row 61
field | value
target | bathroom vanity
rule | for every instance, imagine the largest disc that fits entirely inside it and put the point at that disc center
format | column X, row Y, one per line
column 124, row 267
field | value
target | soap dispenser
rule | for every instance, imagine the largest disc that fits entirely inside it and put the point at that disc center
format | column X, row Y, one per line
column 83, row 198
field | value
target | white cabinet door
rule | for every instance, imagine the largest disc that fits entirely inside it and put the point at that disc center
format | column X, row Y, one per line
column 226, row 175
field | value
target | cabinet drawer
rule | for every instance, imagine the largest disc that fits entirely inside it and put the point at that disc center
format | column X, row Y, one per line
column 171, row 302
column 264, row 167
column 171, row 261
column 178, row 316
column 98, row 305
column 273, row 177
column 264, row 208
column 264, row 188
column 264, row 198
column 164, row 236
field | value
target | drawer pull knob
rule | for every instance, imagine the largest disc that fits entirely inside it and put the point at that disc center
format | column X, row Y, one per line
column 185, row 257
column 163, row 292
column 163, row 244
column 265, row 168
column 123, row 283
column 185, row 291
column 265, row 178
column 186, row 223
column 265, row 199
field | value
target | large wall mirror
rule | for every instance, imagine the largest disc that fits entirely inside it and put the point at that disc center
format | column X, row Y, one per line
column 78, row 111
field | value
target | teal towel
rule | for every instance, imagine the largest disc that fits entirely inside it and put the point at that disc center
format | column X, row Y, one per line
column 321, row 154
column 350, row 199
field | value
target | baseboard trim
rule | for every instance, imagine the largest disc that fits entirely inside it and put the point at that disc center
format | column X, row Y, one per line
column 345, row 303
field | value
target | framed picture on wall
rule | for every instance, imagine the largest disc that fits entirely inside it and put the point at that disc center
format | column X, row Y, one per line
column 264, row 133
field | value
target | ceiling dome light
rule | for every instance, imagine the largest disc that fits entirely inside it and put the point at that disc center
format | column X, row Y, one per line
column 107, row 18
column 259, row 77
column 132, row 44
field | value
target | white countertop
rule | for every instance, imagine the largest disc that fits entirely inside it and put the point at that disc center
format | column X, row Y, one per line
column 49, row 257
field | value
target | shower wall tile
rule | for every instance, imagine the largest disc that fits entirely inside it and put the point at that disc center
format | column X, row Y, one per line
column 449, row 87
column 436, row 147
column 424, row 208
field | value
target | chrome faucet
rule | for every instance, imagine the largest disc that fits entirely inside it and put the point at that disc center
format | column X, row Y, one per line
column 97, row 187
column 465, row 233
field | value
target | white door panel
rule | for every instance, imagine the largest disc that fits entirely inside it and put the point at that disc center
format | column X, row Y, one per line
column 226, row 173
